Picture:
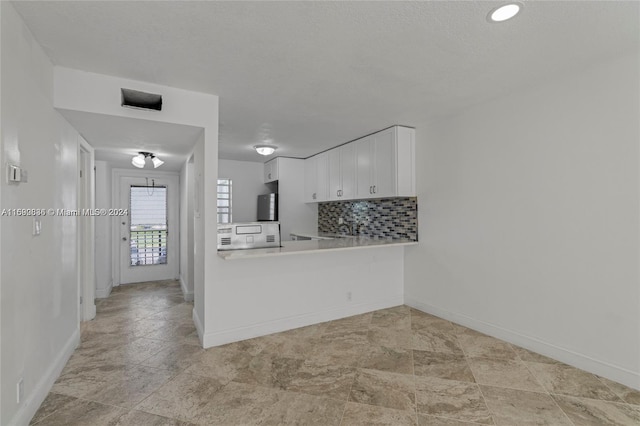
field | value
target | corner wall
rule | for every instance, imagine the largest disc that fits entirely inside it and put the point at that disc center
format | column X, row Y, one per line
column 39, row 294
column 104, row 267
column 186, row 229
column 529, row 219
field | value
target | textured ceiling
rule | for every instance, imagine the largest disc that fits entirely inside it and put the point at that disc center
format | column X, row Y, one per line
column 310, row 75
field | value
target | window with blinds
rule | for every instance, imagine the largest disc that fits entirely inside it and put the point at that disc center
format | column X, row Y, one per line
column 148, row 238
column 224, row 201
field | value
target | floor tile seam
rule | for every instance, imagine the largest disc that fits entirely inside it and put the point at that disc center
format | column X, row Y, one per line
column 619, row 395
column 274, row 389
column 538, row 380
column 583, row 371
column 633, row 406
column 561, row 410
column 53, row 412
column 86, row 399
column 458, row 420
column 484, row 400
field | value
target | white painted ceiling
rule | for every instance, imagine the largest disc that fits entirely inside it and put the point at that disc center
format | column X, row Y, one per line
column 118, row 139
column 307, row 76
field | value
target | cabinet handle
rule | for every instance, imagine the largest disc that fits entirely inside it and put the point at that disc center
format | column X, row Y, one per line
column 374, row 189
column 371, row 190
column 269, row 175
column 313, row 196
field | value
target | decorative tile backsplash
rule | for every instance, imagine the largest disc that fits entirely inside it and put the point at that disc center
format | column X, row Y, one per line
column 383, row 218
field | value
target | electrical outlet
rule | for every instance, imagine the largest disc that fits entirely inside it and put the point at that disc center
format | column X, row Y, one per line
column 348, row 296
column 19, row 390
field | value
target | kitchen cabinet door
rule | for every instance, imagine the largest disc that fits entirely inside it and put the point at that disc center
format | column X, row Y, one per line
column 384, row 169
column 348, row 171
column 271, row 171
column 335, row 180
column 364, row 167
column 322, row 176
column 310, row 176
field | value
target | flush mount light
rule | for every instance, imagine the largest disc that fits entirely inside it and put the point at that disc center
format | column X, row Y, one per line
column 139, row 160
column 265, row 149
column 504, row 12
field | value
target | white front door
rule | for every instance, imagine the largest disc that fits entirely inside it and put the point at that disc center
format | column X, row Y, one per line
column 149, row 232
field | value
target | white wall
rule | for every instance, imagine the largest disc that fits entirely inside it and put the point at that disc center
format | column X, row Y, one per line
column 293, row 213
column 186, row 229
column 103, row 268
column 248, row 182
column 89, row 92
column 529, row 219
column 39, row 299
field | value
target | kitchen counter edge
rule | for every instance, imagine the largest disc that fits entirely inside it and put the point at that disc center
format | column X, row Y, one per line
column 313, row 246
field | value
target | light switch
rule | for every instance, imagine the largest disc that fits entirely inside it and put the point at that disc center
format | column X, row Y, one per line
column 37, row 226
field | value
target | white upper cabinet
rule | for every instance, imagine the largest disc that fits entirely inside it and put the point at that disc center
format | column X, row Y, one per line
column 316, row 178
column 364, row 167
column 386, row 164
column 342, row 172
column 271, row 170
column 376, row 166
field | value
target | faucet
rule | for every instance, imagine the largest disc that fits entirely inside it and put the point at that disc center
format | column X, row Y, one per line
column 348, row 226
column 353, row 227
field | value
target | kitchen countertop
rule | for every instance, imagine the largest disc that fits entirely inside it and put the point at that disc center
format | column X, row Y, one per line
column 314, row 246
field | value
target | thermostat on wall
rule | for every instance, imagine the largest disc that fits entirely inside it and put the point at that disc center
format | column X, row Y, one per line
column 14, row 173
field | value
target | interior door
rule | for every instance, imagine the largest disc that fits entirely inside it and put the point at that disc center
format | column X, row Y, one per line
column 149, row 232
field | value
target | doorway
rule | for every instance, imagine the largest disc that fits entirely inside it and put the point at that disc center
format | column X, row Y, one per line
column 148, row 229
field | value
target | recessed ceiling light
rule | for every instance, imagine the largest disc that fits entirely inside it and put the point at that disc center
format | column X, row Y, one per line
column 504, row 12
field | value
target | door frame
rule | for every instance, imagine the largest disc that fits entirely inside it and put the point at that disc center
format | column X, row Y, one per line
column 116, row 176
column 86, row 242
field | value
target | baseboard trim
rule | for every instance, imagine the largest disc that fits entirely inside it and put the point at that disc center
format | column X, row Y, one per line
column 296, row 321
column 601, row 368
column 34, row 399
column 188, row 296
column 198, row 324
column 103, row 293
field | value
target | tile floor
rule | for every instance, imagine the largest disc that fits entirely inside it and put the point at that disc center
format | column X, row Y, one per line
column 140, row 363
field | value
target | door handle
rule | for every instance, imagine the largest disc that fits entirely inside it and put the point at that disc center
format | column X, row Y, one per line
column 124, row 238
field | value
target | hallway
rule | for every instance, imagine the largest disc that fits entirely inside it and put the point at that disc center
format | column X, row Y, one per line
column 140, row 363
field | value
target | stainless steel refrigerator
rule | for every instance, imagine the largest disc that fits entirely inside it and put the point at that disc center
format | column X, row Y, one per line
column 268, row 207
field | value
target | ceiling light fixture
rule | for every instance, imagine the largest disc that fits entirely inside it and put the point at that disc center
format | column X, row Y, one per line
column 265, row 149
column 504, row 12
column 139, row 160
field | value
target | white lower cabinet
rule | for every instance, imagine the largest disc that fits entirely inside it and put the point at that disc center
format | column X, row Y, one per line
column 376, row 166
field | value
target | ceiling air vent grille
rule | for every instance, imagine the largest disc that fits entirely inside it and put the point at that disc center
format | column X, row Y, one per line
column 225, row 241
column 141, row 100
column 271, row 238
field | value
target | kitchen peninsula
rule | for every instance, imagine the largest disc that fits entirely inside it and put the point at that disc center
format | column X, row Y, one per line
column 364, row 188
